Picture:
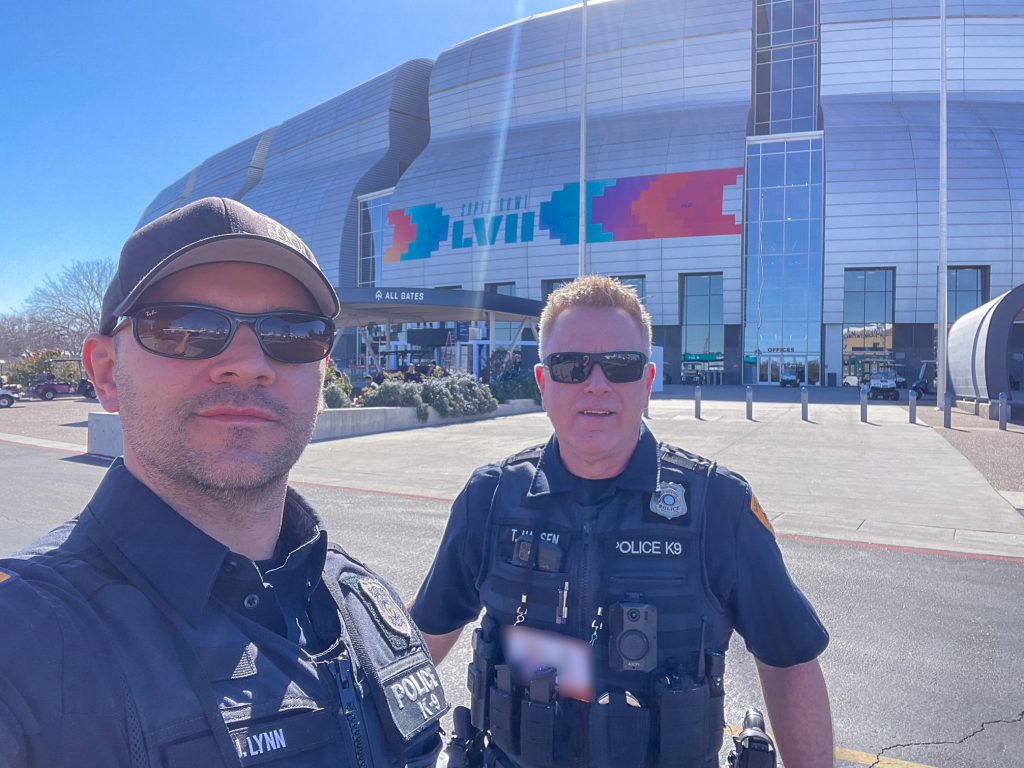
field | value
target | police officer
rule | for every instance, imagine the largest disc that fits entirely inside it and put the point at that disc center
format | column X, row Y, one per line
column 194, row 614
column 613, row 570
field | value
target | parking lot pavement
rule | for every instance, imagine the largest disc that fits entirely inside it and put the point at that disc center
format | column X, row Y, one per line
column 885, row 482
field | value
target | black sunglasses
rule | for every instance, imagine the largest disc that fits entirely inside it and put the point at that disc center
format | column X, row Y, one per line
column 198, row 332
column 574, row 367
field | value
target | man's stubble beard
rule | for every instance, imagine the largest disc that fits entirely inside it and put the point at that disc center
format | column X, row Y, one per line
column 234, row 472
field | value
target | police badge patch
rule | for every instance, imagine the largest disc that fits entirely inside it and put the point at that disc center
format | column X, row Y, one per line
column 383, row 607
column 669, row 501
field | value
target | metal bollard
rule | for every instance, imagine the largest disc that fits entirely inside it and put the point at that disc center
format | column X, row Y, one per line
column 947, row 411
column 803, row 403
column 696, row 402
column 1002, row 410
column 913, row 406
column 864, row 405
column 750, row 403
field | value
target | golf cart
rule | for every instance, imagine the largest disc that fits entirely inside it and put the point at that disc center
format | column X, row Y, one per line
column 882, row 386
column 63, row 377
column 925, row 382
column 8, row 392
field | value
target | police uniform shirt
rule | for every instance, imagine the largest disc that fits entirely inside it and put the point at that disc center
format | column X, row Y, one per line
column 93, row 672
column 745, row 568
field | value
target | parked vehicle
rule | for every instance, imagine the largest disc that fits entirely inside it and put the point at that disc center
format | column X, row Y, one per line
column 63, row 377
column 882, row 386
column 789, row 378
column 8, row 396
column 924, row 384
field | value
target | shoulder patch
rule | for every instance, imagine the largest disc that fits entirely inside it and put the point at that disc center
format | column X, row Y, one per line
column 6, row 577
column 759, row 513
column 383, row 609
column 683, row 459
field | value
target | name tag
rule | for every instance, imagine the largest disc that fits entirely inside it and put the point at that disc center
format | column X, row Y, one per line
column 277, row 739
column 649, row 547
column 414, row 695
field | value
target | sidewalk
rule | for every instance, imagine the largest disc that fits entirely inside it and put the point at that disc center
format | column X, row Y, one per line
column 885, row 482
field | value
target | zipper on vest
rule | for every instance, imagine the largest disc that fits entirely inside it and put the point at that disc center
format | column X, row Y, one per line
column 344, row 681
column 585, row 615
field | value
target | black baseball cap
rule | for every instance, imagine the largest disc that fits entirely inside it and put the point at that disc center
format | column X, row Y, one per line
column 214, row 229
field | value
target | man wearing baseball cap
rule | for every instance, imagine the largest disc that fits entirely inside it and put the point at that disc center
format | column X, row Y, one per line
column 194, row 613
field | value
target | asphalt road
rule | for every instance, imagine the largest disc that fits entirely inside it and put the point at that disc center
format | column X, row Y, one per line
column 926, row 659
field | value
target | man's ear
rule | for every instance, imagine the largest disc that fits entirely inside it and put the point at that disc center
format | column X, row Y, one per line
column 99, row 356
column 538, row 374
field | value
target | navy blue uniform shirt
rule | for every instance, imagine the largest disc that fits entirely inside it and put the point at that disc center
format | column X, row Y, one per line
column 119, row 625
column 745, row 566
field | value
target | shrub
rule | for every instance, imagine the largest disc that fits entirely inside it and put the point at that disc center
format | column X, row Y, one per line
column 338, row 378
column 336, row 397
column 458, row 395
column 506, row 389
column 396, row 393
column 29, row 367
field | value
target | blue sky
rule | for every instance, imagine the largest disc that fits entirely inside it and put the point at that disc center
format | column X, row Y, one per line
column 107, row 102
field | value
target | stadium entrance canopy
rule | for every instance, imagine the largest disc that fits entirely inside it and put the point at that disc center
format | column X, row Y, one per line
column 365, row 306
column 979, row 348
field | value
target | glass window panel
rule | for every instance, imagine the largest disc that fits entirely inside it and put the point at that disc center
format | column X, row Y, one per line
column 967, row 279
column 782, row 105
column 716, row 284
column 773, row 203
column 753, row 239
column 816, row 168
column 698, row 285
column 796, row 236
column 763, row 25
column 803, row 73
column 716, row 342
column 803, row 102
column 763, row 57
column 697, row 339
column 697, row 309
column 782, row 75
column 797, row 203
column 715, row 309
column 888, row 307
column 853, row 308
column 762, row 107
column 803, row 13
column 772, row 235
column 874, row 307
column 763, row 78
column 801, row 34
column 816, row 200
column 874, row 280
column 773, row 170
column 795, row 269
column 797, row 168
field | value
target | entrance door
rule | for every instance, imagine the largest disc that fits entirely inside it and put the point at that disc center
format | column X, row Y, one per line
column 769, row 369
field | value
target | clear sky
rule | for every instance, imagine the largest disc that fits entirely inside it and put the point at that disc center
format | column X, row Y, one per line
column 105, row 103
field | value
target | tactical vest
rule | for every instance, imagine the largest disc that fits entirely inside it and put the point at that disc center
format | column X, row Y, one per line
column 547, row 555
column 229, row 692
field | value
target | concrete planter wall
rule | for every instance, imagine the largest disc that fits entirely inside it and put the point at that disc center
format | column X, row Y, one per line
column 105, row 428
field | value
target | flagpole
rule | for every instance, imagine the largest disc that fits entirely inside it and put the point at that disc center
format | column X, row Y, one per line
column 583, row 144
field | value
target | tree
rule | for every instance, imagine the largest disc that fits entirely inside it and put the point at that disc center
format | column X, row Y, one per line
column 66, row 309
column 20, row 333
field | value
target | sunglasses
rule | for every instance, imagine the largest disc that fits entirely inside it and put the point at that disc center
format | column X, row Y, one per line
column 574, row 367
column 198, row 332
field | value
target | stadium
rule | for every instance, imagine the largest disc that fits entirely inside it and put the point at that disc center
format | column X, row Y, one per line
column 764, row 172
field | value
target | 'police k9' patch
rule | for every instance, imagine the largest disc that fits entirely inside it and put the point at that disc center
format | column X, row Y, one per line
column 414, row 694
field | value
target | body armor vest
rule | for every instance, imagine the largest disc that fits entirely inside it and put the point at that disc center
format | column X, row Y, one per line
column 228, row 692
column 600, row 563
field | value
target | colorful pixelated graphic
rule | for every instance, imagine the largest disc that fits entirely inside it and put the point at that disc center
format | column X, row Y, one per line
column 632, row 208
column 418, row 231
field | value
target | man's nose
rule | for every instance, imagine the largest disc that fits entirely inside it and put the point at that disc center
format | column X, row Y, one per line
column 244, row 359
column 597, row 380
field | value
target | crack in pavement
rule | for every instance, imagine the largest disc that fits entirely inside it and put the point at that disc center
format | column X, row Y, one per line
column 972, row 734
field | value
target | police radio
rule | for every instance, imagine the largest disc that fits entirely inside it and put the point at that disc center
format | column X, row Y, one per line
column 633, row 641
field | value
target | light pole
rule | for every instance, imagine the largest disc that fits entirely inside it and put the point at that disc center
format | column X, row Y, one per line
column 940, row 389
column 583, row 143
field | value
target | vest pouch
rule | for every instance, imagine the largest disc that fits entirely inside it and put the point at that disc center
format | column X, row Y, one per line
column 480, row 677
column 503, row 719
column 537, row 732
column 619, row 733
column 682, row 716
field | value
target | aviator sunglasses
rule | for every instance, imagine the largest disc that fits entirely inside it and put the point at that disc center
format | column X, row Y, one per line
column 574, row 367
column 198, row 332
